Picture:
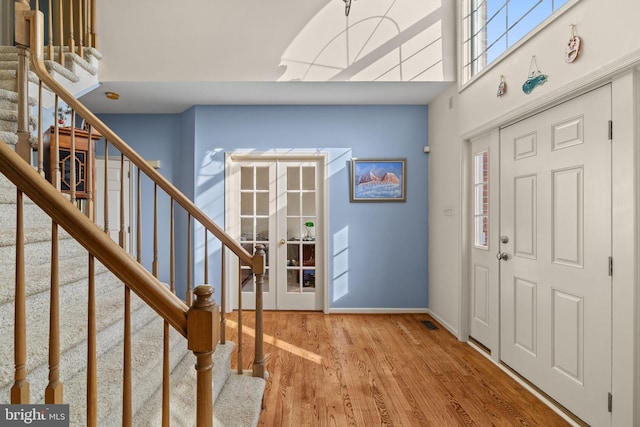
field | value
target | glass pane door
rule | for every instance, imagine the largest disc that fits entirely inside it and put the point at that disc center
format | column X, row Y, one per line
column 256, row 213
column 297, row 207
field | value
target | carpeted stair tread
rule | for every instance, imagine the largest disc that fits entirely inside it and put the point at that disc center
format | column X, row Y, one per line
column 240, row 402
column 39, row 253
column 183, row 396
column 73, row 335
column 33, row 216
column 10, row 138
column 31, row 235
column 8, row 64
column 38, row 277
column 184, row 378
column 7, row 74
column 183, row 385
column 147, row 350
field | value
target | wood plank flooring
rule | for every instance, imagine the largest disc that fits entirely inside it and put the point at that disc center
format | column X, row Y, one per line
column 381, row 370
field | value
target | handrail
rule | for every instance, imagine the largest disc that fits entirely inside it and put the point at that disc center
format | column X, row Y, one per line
column 36, row 19
column 43, row 194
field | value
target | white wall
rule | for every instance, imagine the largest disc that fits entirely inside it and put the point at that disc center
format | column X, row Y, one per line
column 311, row 40
column 611, row 50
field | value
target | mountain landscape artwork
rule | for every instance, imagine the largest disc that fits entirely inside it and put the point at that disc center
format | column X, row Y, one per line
column 378, row 180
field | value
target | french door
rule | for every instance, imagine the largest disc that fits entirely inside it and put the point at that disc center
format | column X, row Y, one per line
column 277, row 203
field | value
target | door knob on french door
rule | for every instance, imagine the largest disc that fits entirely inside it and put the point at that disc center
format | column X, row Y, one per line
column 502, row 256
column 282, row 241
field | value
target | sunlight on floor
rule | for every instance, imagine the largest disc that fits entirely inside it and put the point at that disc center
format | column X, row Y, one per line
column 268, row 339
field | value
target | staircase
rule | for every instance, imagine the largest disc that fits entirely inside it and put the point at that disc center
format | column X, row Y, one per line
column 237, row 397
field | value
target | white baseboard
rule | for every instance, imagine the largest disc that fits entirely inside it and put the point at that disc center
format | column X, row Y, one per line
column 378, row 311
column 447, row 326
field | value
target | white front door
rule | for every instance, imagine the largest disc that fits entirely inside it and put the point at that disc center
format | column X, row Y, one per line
column 484, row 307
column 555, row 284
column 277, row 203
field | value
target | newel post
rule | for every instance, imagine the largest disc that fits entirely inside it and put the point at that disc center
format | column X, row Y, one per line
column 203, row 321
column 258, row 269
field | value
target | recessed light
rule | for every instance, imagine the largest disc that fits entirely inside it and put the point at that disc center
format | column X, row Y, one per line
column 112, row 95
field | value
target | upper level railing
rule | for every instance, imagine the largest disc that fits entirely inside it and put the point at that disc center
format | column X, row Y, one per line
column 193, row 321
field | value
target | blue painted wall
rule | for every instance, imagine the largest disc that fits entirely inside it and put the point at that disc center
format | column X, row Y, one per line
column 377, row 252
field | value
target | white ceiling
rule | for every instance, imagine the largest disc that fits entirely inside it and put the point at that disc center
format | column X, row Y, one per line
column 277, row 52
column 176, row 97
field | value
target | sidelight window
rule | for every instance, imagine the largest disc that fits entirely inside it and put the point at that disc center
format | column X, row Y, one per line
column 481, row 199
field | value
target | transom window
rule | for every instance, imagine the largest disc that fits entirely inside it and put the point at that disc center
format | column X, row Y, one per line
column 493, row 26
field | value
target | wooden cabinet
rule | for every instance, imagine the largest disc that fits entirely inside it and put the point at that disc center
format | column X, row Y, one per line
column 84, row 160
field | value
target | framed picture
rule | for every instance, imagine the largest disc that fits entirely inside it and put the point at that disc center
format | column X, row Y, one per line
column 378, row 180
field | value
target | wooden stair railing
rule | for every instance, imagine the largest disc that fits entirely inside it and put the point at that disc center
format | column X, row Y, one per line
column 198, row 322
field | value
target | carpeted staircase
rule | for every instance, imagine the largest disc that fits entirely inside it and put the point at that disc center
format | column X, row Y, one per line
column 237, row 398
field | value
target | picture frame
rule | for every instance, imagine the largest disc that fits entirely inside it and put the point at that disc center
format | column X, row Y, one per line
column 378, row 180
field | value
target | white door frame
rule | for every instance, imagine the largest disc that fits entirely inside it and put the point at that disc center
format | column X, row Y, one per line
column 322, row 158
column 625, row 115
column 99, row 192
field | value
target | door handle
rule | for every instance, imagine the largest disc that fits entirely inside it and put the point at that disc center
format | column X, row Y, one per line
column 282, row 241
column 502, row 256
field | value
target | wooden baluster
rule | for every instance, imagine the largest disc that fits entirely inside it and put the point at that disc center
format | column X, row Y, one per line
column 92, row 26
column 127, row 394
column 172, row 249
column 166, row 381
column 88, row 175
column 166, row 374
column 258, row 269
column 138, row 219
column 53, row 392
column 20, row 388
column 202, row 338
column 92, row 375
column 39, row 129
column 23, row 147
column 60, row 34
column 55, row 149
column 72, row 161
column 122, row 236
column 223, row 297
column 206, row 257
column 155, row 264
column 50, row 54
column 80, row 29
column 166, row 378
column 189, row 284
column 72, row 42
column 127, row 412
column 105, row 213
column 240, row 363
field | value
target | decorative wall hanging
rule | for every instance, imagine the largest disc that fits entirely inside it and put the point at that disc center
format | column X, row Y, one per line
column 502, row 87
column 536, row 78
column 573, row 47
column 378, row 180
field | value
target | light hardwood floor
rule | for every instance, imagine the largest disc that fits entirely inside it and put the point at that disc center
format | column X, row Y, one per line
column 372, row 370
